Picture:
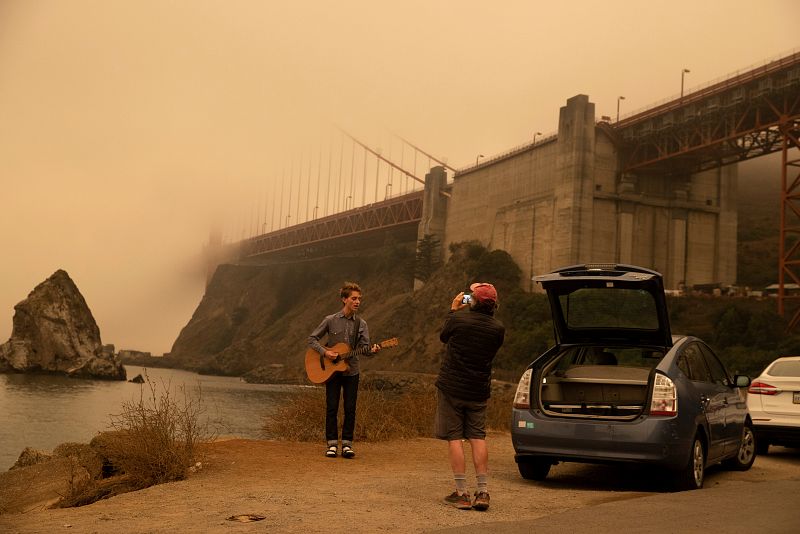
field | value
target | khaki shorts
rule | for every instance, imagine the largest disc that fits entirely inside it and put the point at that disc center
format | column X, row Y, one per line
column 459, row 419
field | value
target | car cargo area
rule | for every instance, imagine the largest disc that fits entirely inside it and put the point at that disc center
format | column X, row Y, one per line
column 598, row 382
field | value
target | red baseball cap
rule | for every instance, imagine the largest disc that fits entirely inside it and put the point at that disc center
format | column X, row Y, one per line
column 484, row 292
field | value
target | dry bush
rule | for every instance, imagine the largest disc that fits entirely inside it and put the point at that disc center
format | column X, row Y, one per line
column 79, row 483
column 498, row 412
column 380, row 416
column 300, row 417
column 156, row 437
column 386, row 416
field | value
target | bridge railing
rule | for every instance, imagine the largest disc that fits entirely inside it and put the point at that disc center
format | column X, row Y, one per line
column 720, row 84
column 508, row 153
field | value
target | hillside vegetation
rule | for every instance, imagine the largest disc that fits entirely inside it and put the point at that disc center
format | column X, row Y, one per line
column 254, row 320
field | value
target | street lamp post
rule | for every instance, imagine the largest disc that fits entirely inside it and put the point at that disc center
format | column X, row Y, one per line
column 534, row 137
column 618, row 99
column 479, row 156
column 684, row 72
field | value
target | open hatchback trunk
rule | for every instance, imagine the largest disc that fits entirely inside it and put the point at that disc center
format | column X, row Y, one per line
column 611, row 329
column 597, row 382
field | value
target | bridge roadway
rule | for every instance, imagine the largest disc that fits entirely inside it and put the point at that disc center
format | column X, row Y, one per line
column 742, row 117
column 399, row 214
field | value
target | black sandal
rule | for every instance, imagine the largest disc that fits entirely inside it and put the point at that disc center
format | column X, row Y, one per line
column 331, row 452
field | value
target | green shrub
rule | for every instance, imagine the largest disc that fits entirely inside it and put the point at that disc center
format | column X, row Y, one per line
column 730, row 327
column 428, row 257
column 497, row 267
column 746, row 360
column 470, row 250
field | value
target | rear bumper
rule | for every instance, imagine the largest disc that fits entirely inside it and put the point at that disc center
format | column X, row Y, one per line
column 777, row 434
column 654, row 441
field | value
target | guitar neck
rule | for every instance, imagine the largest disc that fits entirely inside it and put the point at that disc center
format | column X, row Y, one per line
column 357, row 352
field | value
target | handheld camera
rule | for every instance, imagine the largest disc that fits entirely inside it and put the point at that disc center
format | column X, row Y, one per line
column 466, row 299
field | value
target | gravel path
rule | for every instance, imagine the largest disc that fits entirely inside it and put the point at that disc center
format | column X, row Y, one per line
column 389, row 487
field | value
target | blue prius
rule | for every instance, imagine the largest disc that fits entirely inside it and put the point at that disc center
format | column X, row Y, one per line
column 618, row 387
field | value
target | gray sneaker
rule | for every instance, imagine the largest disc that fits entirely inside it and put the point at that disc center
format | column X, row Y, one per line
column 460, row 501
column 481, row 501
column 452, row 498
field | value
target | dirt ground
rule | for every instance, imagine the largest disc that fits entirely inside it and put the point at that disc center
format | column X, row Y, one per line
column 389, row 487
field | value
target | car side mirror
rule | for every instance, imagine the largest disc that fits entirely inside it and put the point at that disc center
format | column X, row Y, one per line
column 741, row 381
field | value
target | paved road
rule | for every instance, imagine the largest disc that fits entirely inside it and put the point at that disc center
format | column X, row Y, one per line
column 737, row 507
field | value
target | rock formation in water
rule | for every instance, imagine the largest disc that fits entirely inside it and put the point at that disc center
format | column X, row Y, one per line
column 54, row 332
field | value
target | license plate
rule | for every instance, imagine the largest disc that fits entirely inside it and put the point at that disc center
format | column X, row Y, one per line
column 796, row 397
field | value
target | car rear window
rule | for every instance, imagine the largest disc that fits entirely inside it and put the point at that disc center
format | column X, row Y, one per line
column 789, row 368
column 610, row 307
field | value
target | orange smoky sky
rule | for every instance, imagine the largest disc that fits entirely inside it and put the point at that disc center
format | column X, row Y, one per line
column 128, row 128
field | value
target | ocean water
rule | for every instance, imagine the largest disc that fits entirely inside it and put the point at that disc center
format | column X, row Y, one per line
column 42, row 411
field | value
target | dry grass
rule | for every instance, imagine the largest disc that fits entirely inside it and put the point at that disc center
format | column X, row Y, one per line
column 153, row 440
column 380, row 416
column 156, row 437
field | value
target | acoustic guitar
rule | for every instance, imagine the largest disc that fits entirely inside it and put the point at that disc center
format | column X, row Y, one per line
column 320, row 369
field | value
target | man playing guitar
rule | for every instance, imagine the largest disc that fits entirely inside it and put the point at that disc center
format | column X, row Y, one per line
column 343, row 326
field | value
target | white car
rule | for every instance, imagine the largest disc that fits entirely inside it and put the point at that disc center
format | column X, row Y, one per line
column 773, row 400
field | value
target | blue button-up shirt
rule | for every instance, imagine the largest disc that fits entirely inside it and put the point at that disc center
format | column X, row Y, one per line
column 339, row 329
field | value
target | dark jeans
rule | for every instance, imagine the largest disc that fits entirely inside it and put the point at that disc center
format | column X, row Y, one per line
column 337, row 385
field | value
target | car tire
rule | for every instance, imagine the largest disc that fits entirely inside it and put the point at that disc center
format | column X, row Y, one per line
column 762, row 447
column 746, row 454
column 691, row 476
column 534, row 469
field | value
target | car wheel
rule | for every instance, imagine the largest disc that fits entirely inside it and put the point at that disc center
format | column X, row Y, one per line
column 762, row 447
column 534, row 469
column 746, row 454
column 692, row 475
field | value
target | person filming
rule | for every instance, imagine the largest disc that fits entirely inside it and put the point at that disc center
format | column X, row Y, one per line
column 472, row 337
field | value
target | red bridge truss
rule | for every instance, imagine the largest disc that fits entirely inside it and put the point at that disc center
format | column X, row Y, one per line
column 743, row 117
column 391, row 213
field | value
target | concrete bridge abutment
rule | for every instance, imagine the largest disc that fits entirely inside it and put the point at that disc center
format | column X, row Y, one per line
column 564, row 200
column 434, row 212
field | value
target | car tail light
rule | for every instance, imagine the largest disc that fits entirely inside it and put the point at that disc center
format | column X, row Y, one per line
column 762, row 388
column 522, row 398
column 665, row 397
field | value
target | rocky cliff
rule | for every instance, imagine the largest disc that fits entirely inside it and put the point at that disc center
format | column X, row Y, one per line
column 255, row 320
column 54, row 332
column 259, row 316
